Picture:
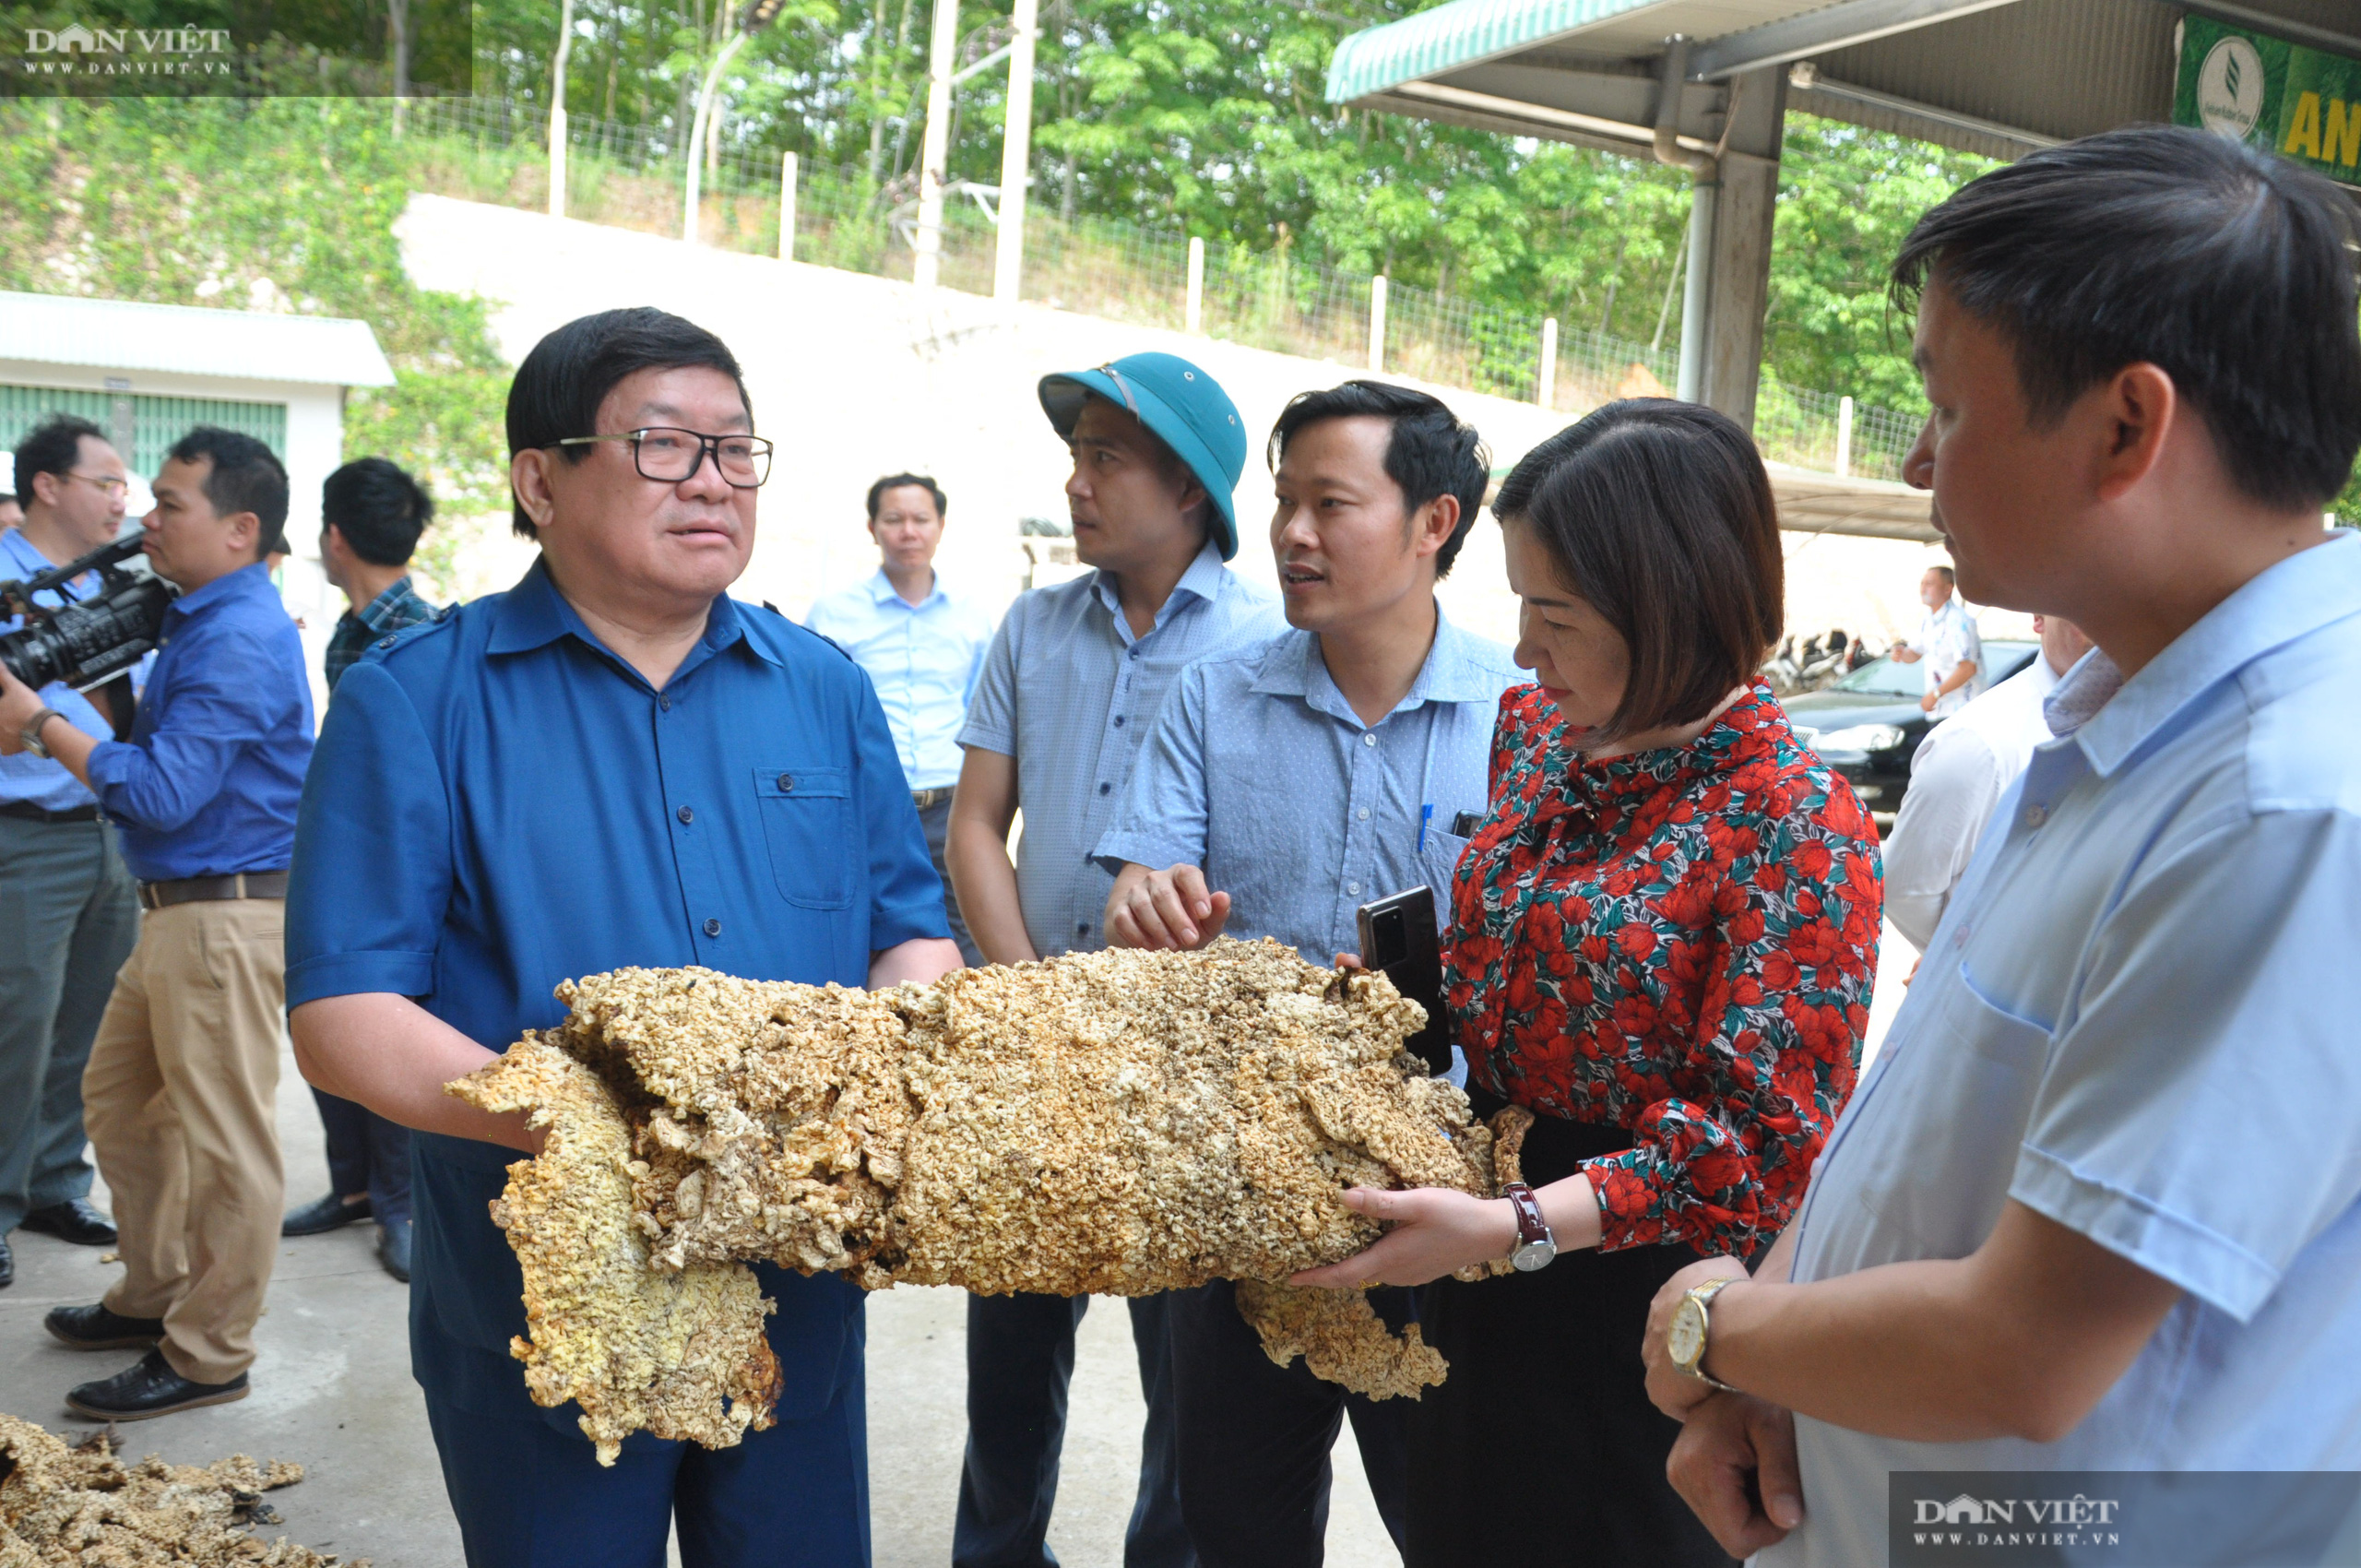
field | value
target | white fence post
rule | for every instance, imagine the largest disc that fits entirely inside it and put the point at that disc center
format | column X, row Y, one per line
column 1377, row 325
column 1843, row 436
column 1546, row 395
column 790, row 169
column 1193, row 317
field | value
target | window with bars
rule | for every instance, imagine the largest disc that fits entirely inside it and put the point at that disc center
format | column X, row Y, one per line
column 142, row 427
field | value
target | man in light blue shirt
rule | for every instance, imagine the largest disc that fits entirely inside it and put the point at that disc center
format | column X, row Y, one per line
column 2097, row 1207
column 68, row 911
column 923, row 648
column 1070, row 689
column 1287, row 783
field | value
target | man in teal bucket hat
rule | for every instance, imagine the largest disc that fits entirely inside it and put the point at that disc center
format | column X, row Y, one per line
column 1070, row 689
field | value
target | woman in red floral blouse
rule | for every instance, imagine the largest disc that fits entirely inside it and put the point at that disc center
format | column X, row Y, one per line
column 1662, row 942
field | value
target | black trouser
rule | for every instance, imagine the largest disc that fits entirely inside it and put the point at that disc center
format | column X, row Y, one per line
column 1254, row 1437
column 1020, row 1359
column 1541, row 1448
column 367, row 1154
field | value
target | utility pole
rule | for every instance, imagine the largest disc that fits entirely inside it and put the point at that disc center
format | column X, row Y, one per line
column 934, row 160
column 557, row 107
column 1016, row 157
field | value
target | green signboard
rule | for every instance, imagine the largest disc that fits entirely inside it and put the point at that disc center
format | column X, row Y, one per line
column 2303, row 103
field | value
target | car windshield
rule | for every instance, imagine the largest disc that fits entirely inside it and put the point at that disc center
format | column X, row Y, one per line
column 1886, row 678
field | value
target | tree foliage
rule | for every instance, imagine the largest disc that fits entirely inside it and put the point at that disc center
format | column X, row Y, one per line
column 285, row 204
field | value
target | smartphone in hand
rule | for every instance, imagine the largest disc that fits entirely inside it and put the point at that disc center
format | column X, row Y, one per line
column 1398, row 938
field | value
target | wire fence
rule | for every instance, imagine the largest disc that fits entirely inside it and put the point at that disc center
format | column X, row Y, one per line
column 634, row 177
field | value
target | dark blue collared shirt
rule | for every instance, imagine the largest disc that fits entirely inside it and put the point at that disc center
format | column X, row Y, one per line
column 501, row 803
column 209, row 782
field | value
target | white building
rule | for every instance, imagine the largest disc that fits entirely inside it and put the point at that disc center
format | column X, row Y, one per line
column 146, row 374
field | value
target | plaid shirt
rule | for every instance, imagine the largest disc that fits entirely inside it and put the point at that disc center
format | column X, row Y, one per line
column 383, row 615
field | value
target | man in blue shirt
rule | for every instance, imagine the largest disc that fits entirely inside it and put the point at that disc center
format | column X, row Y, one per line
column 2097, row 1206
column 372, row 514
column 923, row 648
column 180, row 1088
column 612, row 764
column 1071, row 688
column 68, row 913
column 1287, row 783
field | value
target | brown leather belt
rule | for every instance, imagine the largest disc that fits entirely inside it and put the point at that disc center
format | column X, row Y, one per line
column 926, row 800
column 213, row 889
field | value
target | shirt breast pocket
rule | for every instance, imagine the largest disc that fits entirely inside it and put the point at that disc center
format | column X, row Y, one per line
column 808, row 825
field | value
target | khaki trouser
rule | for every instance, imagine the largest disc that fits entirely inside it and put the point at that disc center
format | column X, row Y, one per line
column 179, row 1100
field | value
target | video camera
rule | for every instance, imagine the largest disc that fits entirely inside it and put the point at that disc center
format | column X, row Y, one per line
column 92, row 640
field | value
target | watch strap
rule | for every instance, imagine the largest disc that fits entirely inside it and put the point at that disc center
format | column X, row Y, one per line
column 1530, row 1225
column 1704, row 1295
column 31, row 734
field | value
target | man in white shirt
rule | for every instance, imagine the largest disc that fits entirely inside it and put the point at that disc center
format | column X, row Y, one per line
column 923, row 648
column 1947, row 640
column 1962, row 768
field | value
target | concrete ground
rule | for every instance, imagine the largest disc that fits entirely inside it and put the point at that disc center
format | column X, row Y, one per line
column 332, row 1390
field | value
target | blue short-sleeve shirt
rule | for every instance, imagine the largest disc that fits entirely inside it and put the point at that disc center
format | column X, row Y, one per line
column 502, row 803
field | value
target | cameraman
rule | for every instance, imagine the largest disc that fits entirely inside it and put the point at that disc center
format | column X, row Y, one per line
column 371, row 515
column 181, row 1083
column 68, row 914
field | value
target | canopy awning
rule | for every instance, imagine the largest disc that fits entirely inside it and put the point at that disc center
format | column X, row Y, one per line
column 1868, row 508
column 1997, row 76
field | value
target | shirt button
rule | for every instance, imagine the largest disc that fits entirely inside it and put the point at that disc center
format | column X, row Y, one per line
column 1082, row 928
column 1362, row 814
column 1369, row 737
column 2036, row 815
column 384, row 642
column 1118, row 722
column 786, row 782
column 664, row 702
column 1106, row 789
column 713, row 928
column 1136, row 653
column 687, row 815
column 1352, row 887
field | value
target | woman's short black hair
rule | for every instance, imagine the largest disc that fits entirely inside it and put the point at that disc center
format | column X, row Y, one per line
column 2230, row 268
column 560, row 386
column 53, row 446
column 379, row 509
column 895, row 481
column 1431, row 453
column 246, row 476
column 1659, row 515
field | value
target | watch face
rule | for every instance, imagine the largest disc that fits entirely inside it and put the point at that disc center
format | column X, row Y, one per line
column 1685, row 1340
column 1533, row 1255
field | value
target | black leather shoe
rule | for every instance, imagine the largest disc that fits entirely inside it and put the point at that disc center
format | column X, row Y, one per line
column 148, row 1388
column 393, row 1248
column 318, row 1219
column 7, row 1264
column 77, row 1220
column 95, row 1328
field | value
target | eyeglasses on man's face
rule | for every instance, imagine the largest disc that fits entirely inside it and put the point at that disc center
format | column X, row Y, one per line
column 107, row 485
column 671, row 455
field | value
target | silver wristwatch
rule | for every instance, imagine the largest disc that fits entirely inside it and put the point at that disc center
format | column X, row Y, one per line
column 31, row 734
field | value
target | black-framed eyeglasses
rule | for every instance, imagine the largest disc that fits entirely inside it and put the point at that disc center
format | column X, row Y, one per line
column 662, row 452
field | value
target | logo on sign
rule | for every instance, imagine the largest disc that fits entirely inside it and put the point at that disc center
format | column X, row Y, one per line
column 2229, row 88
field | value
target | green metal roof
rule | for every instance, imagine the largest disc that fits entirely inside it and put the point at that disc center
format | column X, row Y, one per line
column 1455, row 35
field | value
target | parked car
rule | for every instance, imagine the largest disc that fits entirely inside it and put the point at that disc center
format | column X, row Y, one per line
column 1867, row 724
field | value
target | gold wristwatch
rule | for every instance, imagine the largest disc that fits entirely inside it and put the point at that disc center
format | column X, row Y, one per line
column 1684, row 1340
